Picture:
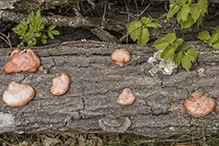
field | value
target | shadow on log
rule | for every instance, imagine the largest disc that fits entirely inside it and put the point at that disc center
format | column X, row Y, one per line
column 96, row 82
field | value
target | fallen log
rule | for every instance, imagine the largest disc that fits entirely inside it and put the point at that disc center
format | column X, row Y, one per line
column 96, row 82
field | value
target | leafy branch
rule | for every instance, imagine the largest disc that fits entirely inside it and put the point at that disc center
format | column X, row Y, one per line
column 187, row 12
column 30, row 31
column 169, row 45
column 139, row 29
column 213, row 39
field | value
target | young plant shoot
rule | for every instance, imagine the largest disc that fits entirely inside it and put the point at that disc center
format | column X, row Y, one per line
column 32, row 30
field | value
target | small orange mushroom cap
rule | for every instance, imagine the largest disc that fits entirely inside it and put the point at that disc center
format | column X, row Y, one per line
column 17, row 95
column 126, row 97
column 60, row 84
column 199, row 105
column 22, row 61
column 120, row 56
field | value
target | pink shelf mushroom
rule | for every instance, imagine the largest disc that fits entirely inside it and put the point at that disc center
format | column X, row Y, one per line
column 126, row 97
column 199, row 105
column 17, row 95
column 22, row 61
column 120, row 56
column 60, row 84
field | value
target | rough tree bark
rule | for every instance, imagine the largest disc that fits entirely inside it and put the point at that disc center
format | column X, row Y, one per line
column 96, row 82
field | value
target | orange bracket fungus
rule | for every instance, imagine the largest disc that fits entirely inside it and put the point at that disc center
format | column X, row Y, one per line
column 114, row 124
column 60, row 84
column 17, row 95
column 120, row 56
column 199, row 105
column 22, row 61
column 126, row 97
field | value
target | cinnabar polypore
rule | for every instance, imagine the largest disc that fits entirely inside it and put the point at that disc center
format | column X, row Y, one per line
column 60, row 84
column 120, row 56
column 199, row 105
column 17, row 95
column 22, row 61
column 126, row 97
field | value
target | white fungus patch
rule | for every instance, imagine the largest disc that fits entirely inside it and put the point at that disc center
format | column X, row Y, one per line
column 166, row 66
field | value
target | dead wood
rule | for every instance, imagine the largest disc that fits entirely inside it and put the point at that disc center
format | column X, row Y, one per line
column 96, row 82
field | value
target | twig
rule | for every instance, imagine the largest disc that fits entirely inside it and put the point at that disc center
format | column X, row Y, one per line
column 67, row 10
column 104, row 13
column 7, row 37
column 136, row 5
column 142, row 2
column 127, row 38
column 131, row 15
column 136, row 15
column 25, row 50
column 22, row 41
column 124, row 36
column 93, row 7
column 165, row 5
column 145, row 9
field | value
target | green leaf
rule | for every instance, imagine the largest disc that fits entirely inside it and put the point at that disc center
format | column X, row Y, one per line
column 167, row 53
column 51, row 27
column 199, row 21
column 186, row 62
column 214, row 38
column 195, row 12
column 30, row 18
column 50, row 35
column 179, row 16
column 55, row 32
column 161, row 44
column 188, row 23
column 134, row 34
column 171, row 37
column 216, row 45
column 41, row 26
column 184, row 48
column 18, row 30
column 38, row 14
column 158, row 25
column 204, row 5
column 190, row 1
column 44, row 41
column 193, row 54
column 173, row 10
column 31, row 14
column 134, row 29
column 177, row 58
column 185, row 12
column 215, row 28
column 149, row 24
column 134, row 25
column 171, row 3
column 29, row 36
column 24, row 23
column 204, row 35
column 182, row 2
column 41, row 20
column 178, row 42
column 43, row 36
column 145, row 20
column 38, row 34
column 143, row 36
